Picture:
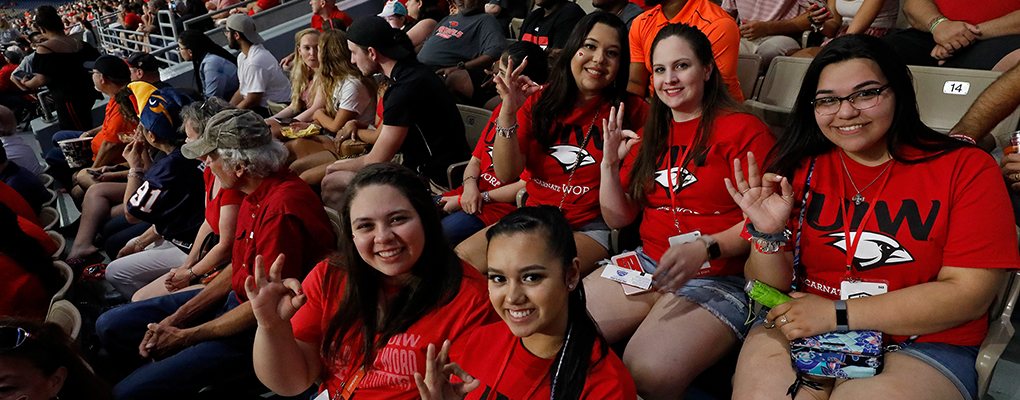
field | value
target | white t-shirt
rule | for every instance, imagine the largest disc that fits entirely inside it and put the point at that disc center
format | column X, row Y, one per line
column 885, row 19
column 351, row 95
column 259, row 72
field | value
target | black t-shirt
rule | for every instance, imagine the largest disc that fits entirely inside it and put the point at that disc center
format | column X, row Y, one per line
column 418, row 100
column 553, row 30
column 69, row 80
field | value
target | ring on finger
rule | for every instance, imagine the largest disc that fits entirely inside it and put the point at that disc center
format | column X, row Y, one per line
column 744, row 191
column 1016, row 176
column 782, row 319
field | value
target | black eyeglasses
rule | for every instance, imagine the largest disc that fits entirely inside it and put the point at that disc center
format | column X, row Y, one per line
column 11, row 337
column 861, row 100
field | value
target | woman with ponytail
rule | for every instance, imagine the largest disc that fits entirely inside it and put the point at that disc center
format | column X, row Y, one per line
column 547, row 346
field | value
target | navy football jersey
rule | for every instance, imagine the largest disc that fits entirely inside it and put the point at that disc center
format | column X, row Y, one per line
column 171, row 197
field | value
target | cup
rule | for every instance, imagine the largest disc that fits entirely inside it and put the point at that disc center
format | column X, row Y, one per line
column 77, row 151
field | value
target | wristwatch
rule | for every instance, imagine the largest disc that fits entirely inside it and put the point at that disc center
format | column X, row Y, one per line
column 461, row 65
column 711, row 245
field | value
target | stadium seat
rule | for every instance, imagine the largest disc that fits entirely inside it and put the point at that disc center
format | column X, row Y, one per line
column 515, row 27
column 748, row 66
column 475, row 120
column 334, row 221
column 48, row 218
column 945, row 94
column 46, row 180
column 61, row 243
column 52, row 199
column 64, row 314
column 1000, row 332
column 778, row 92
column 68, row 274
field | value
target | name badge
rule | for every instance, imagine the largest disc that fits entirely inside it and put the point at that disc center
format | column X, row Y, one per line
column 641, row 280
column 687, row 238
column 852, row 290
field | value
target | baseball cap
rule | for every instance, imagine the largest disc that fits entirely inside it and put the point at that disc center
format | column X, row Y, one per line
column 235, row 129
column 111, row 67
column 375, row 32
column 161, row 114
column 393, row 7
column 244, row 24
column 145, row 62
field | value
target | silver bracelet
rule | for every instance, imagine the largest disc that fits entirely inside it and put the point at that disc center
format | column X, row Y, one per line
column 485, row 197
column 506, row 132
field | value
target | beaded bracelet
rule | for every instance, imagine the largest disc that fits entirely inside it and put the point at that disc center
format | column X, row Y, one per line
column 506, row 132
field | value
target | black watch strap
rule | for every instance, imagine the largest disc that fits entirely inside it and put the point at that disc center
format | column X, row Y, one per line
column 842, row 323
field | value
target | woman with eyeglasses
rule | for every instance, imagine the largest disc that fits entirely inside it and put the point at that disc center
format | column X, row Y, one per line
column 38, row 361
column 881, row 224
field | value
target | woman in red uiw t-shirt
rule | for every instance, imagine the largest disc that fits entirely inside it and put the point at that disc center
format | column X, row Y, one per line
column 547, row 346
column 362, row 321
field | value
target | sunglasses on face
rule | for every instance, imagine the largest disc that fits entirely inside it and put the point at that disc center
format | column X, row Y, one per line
column 11, row 337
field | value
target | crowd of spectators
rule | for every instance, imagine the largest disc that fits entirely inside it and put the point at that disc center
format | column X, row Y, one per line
column 291, row 222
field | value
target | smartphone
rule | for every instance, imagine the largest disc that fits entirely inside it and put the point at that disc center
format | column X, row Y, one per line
column 821, row 4
column 22, row 74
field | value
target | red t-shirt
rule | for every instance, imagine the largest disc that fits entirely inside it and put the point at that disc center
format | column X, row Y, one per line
column 282, row 215
column 5, row 78
column 22, row 293
column 551, row 168
column 710, row 19
column 951, row 211
column 527, row 376
column 702, row 202
column 487, row 180
column 336, row 13
column 392, row 374
column 13, row 200
column 113, row 126
column 225, row 197
column 958, row 10
column 265, row 5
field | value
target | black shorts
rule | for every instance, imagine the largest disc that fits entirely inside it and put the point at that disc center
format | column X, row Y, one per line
column 915, row 48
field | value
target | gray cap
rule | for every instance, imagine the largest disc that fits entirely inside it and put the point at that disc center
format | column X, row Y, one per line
column 230, row 129
column 244, row 24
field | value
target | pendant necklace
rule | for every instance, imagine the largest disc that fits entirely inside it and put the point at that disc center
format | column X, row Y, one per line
column 858, row 198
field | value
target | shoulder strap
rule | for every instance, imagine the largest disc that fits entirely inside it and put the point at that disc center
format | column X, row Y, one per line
column 800, row 223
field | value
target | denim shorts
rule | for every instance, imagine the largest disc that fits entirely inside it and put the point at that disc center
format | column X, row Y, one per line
column 597, row 230
column 722, row 295
column 955, row 362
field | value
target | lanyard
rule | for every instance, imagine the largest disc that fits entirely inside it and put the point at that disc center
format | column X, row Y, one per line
column 851, row 244
column 669, row 172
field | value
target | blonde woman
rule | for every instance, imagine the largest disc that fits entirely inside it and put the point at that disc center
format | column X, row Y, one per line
column 349, row 106
column 305, row 97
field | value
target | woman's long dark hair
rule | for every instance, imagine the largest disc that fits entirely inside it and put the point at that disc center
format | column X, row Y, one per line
column 200, row 45
column 570, row 368
column 27, row 252
column 46, row 17
column 803, row 138
column 557, row 99
column 715, row 101
column 435, row 278
column 48, row 349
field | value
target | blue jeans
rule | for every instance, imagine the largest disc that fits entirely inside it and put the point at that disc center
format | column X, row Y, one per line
column 461, row 225
column 181, row 375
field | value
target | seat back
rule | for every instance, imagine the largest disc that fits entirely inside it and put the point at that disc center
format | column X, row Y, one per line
column 475, row 120
column 68, row 274
column 64, row 314
column 515, row 27
column 47, row 180
column 945, row 94
column 50, row 201
column 334, row 221
column 61, row 243
column 748, row 66
column 782, row 81
column 48, row 218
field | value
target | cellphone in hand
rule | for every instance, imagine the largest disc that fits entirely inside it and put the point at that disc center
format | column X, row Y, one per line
column 821, row 4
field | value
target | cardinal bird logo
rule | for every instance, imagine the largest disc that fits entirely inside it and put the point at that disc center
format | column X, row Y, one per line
column 678, row 184
column 874, row 250
column 567, row 154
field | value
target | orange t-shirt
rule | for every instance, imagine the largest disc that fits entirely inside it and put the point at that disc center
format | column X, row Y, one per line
column 715, row 23
column 113, row 126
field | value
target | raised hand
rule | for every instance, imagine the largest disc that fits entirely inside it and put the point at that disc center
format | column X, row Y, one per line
column 436, row 385
column 516, row 88
column 617, row 142
column 757, row 198
column 274, row 300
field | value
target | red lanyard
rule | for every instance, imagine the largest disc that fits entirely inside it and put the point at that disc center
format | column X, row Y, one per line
column 669, row 171
column 851, row 244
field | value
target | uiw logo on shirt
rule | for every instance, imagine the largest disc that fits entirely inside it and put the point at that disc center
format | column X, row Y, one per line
column 678, row 184
column 873, row 250
column 567, row 155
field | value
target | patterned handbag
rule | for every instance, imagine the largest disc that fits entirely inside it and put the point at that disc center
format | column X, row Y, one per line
column 846, row 355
